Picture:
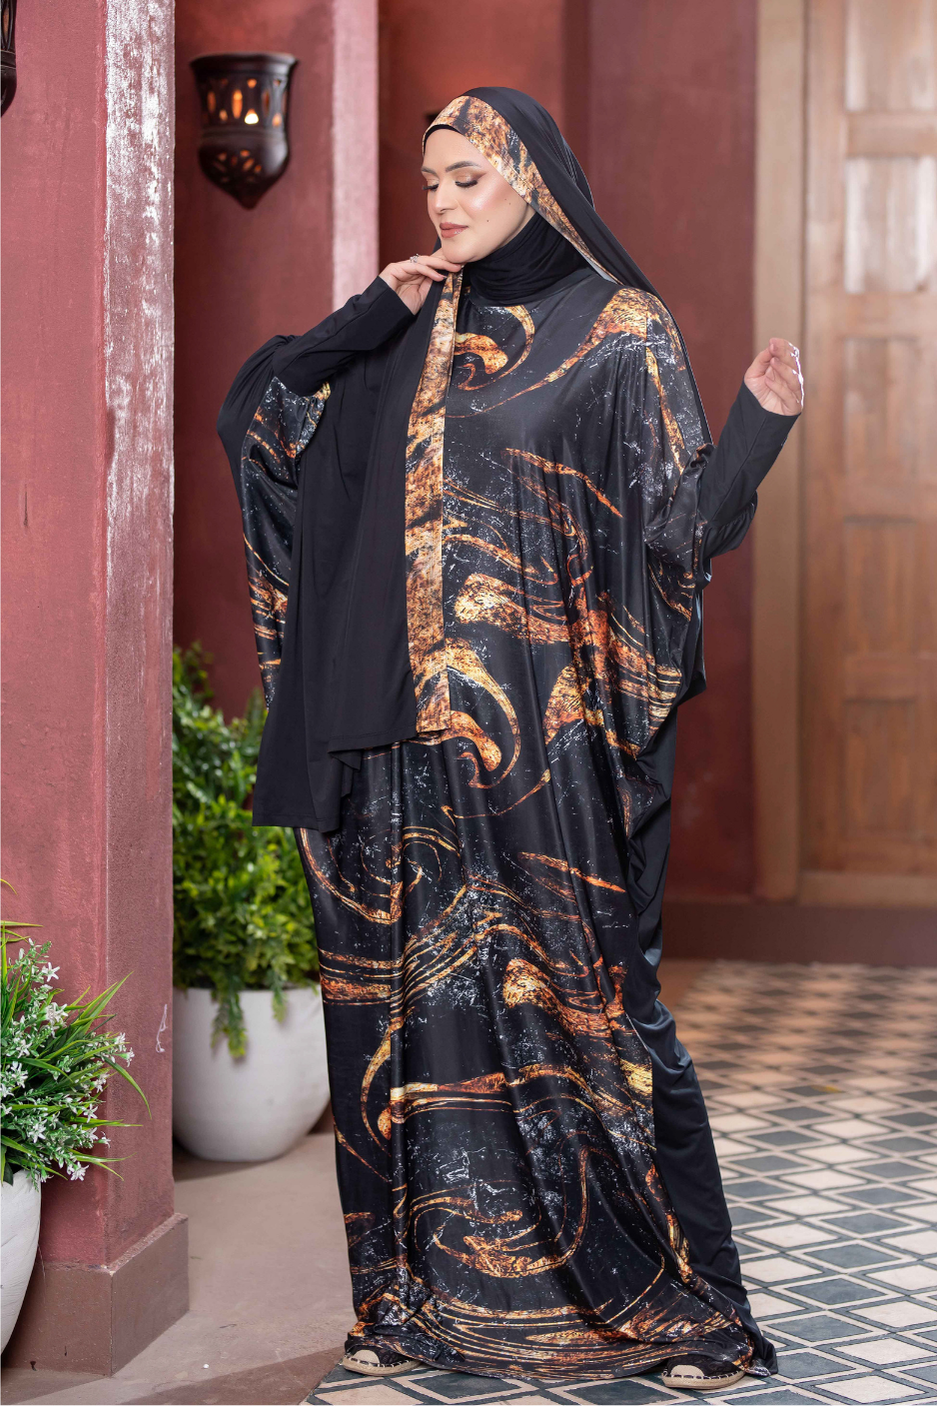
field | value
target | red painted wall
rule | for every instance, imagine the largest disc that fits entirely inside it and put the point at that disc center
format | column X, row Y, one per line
column 241, row 276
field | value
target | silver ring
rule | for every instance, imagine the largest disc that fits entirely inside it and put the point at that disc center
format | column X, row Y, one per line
column 414, row 258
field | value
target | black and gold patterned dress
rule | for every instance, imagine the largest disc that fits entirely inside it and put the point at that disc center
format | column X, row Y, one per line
column 492, row 1101
column 525, row 1164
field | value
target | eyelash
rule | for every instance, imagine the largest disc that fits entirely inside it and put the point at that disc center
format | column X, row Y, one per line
column 463, row 185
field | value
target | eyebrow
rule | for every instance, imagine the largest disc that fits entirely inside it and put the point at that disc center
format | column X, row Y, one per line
column 456, row 166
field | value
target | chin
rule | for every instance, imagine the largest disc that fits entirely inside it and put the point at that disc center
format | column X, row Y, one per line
column 460, row 248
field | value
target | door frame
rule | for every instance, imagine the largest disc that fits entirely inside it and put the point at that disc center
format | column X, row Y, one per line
column 780, row 223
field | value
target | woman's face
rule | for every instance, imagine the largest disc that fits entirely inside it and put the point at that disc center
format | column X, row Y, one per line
column 474, row 209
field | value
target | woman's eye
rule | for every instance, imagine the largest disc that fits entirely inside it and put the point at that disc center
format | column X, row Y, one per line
column 463, row 185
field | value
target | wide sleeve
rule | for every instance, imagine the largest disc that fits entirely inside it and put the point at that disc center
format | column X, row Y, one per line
column 672, row 448
column 662, row 494
column 751, row 440
column 303, row 364
column 267, row 420
column 364, row 323
column 700, row 497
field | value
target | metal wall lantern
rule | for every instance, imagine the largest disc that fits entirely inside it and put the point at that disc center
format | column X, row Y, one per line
column 244, row 146
column 8, row 54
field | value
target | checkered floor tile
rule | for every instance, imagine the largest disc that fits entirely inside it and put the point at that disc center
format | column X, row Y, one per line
column 822, row 1089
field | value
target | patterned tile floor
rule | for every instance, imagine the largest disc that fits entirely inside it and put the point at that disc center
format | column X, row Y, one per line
column 822, row 1089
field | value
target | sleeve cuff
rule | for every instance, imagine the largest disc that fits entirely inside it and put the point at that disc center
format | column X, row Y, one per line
column 362, row 324
column 385, row 307
column 755, row 414
column 751, row 441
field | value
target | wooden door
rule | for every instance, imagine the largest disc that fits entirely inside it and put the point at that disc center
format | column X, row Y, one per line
column 868, row 791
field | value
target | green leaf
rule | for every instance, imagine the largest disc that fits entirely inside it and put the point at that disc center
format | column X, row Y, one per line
column 55, row 1061
column 242, row 914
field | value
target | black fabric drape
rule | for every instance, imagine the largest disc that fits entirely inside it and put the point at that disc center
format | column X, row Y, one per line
column 303, row 557
column 535, row 259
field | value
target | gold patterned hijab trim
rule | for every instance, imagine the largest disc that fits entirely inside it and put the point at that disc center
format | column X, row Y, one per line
column 500, row 145
column 503, row 149
column 424, row 519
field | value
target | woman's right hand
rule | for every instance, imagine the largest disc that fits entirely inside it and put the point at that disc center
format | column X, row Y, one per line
column 411, row 278
column 775, row 378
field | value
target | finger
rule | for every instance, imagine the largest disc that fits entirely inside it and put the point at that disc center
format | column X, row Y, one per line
column 424, row 265
column 785, row 350
column 787, row 364
column 780, row 383
column 786, row 386
column 761, row 362
column 786, row 404
column 413, row 269
column 440, row 260
column 780, row 369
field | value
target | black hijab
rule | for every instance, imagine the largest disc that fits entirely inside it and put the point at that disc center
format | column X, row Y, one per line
column 534, row 260
column 345, row 682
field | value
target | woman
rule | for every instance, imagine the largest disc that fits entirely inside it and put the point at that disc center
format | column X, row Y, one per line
column 480, row 505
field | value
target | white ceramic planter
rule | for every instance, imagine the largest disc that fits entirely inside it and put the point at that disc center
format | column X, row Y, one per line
column 20, row 1236
column 258, row 1107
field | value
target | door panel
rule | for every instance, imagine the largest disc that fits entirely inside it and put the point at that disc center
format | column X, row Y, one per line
column 869, row 574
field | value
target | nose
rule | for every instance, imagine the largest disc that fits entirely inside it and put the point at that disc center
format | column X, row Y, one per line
column 442, row 199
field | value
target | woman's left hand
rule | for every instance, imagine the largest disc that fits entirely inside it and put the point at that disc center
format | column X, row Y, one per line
column 774, row 378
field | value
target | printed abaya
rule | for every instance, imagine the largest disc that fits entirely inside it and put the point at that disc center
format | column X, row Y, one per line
column 515, row 1119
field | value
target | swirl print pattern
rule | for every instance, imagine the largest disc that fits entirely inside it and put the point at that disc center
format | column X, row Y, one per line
column 476, row 923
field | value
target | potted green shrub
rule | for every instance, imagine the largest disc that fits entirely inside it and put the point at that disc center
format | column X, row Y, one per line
column 249, row 1068
column 55, row 1059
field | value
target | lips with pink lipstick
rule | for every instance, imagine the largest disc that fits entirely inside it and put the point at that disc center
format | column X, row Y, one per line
column 447, row 231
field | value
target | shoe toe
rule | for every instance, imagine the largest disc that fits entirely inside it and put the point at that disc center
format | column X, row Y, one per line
column 692, row 1377
column 364, row 1357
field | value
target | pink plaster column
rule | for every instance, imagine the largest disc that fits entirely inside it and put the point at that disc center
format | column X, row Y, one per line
column 87, row 556
column 354, row 147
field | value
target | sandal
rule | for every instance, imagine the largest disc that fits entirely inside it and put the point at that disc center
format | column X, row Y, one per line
column 694, row 1373
column 376, row 1360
